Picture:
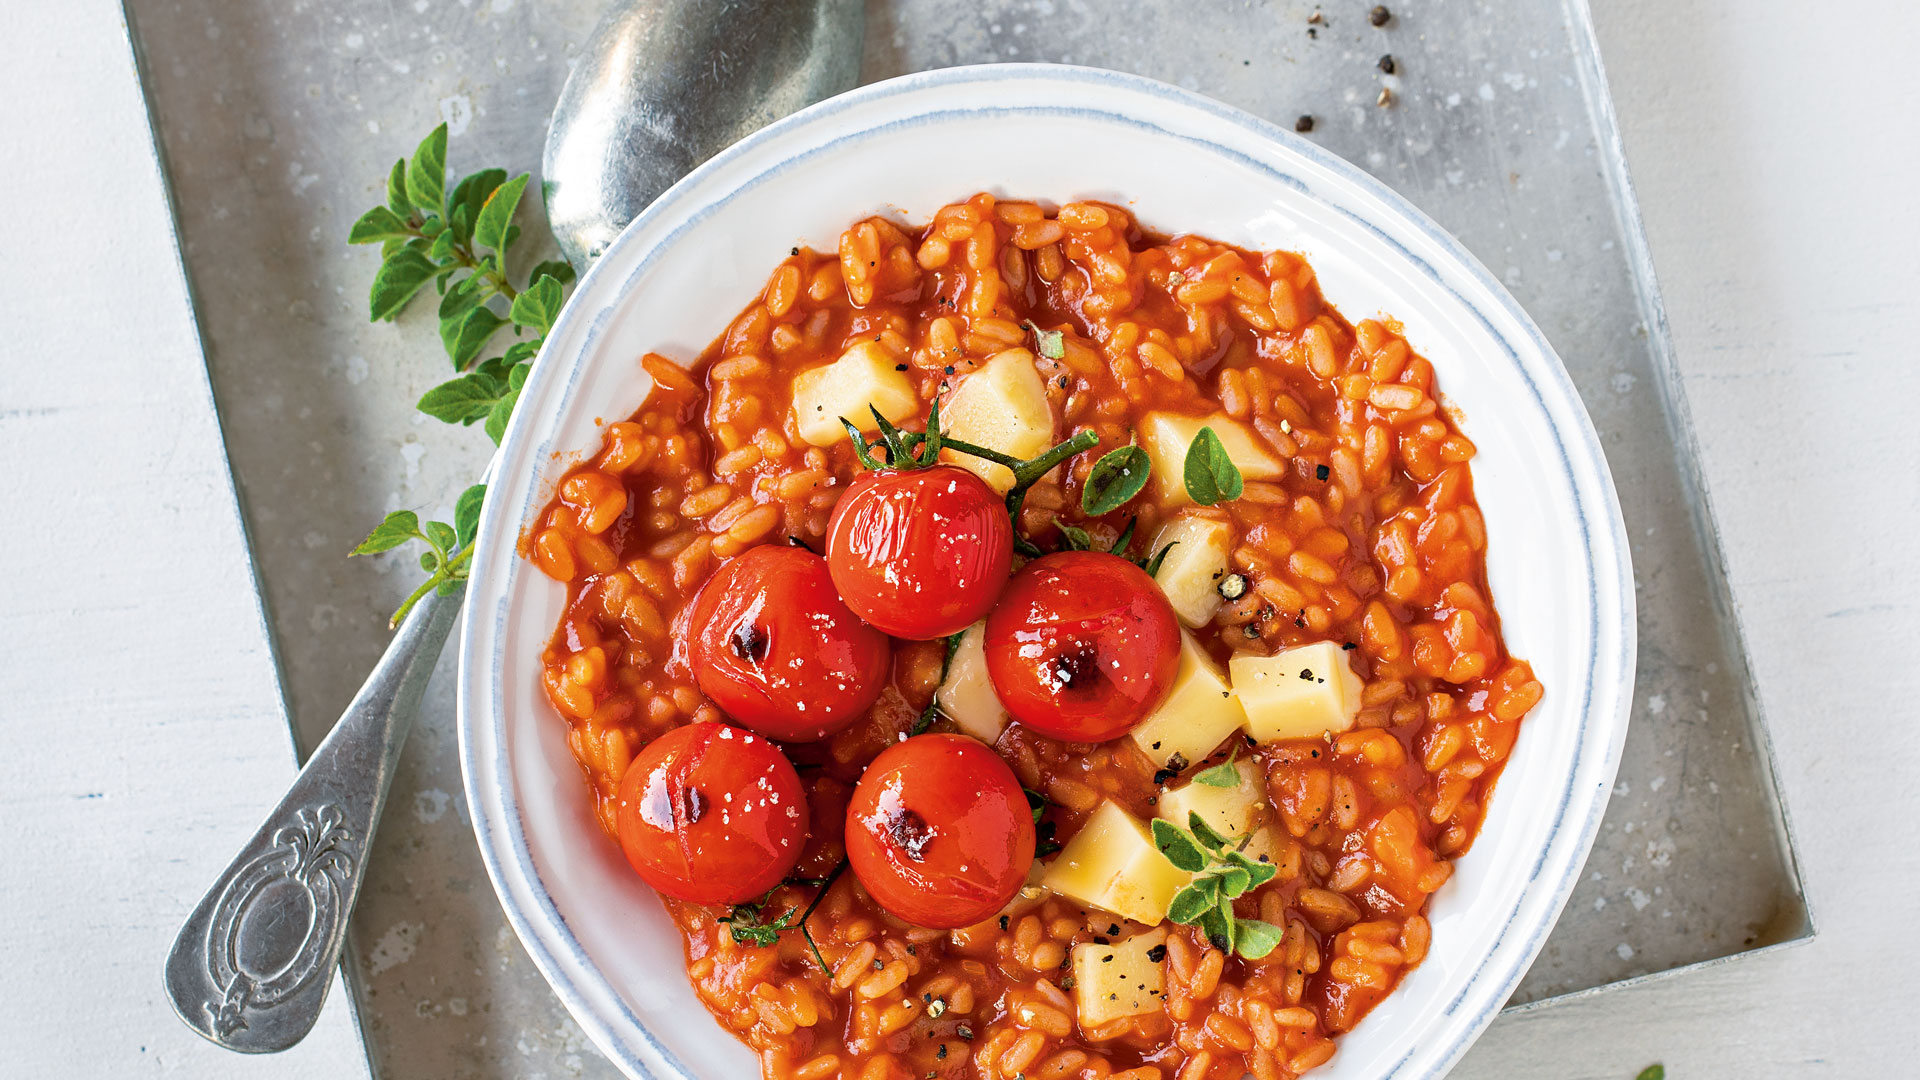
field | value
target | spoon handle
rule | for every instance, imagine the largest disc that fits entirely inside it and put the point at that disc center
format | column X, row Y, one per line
column 252, row 965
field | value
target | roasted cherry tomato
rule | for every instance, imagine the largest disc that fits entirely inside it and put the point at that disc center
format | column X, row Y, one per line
column 1082, row 646
column 920, row 553
column 775, row 648
column 939, row 832
column 712, row 814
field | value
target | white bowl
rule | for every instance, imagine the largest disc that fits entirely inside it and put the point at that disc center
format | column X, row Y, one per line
column 673, row 280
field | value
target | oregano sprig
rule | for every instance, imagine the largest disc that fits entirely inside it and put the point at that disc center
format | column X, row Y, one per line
column 748, row 924
column 449, row 547
column 1222, row 873
column 457, row 238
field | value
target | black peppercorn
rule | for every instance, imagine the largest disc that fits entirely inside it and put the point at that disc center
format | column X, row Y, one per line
column 1304, row 124
column 1379, row 15
column 1387, row 64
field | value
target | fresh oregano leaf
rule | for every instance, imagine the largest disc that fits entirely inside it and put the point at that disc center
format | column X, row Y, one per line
column 427, row 174
column 441, row 535
column 1178, row 846
column 1117, row 477
column 1259, row 873
column 1653, row 1072
column 1254, row 939
column 469, row 195
column 1210, row 474
column 465, row 335
column 559, row 270
column 377, row 226
column 463, row 400
column 538, row 306
column 1189, row 904
column 399, row 278
column 1073, row 537
column 445, row 242
column 397, row 200
column 502, row 410
column 398, row 528
column 490, row 228
column 1224, row 775
column 1221, row 928
column 1051, row 344
column 1234, row 881
column 466, row 514
column 1204, row 833
column 523, row 350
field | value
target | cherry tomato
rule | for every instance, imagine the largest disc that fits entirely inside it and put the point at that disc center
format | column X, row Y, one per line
column 920, row 553
column 775, row 648
column 939, row 832
column 712, row 814
column 1082, row 646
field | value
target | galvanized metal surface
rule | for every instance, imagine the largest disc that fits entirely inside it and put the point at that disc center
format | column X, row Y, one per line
column 279, row 127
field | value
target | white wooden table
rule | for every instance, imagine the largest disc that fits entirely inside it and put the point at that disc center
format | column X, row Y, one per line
column 1774, row 149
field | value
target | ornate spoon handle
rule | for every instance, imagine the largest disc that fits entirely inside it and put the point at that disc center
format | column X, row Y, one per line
column 252, row 965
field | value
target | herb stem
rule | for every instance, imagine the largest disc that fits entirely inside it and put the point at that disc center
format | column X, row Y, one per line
column 825, row 887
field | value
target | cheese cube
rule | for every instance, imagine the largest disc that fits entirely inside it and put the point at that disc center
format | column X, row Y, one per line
column 1190, row 574
column 1267, row 845
column 1168, row 435
column 864, row 376
column 966, row 695
column 1229, row 811
column 1197, row 714
column 1001, row 406
column 1111, row 864
column 1300, row 694
column 1121, row 979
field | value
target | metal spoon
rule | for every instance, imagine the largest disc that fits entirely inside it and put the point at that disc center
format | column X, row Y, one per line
column 663, row 85
column 666, row 84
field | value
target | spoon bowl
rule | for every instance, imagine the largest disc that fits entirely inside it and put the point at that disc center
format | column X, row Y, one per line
column 663, row 85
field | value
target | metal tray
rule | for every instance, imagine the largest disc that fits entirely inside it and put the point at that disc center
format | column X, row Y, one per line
column 278, row 128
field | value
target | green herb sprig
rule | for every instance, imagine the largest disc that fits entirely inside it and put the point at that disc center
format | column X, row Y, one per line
column 921, row 449
column 1222, row 874
column 449, row 547
column 458, row 239
column 748, row 924
column 1075, row 538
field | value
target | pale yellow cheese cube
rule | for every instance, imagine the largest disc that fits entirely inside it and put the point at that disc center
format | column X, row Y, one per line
column 1302, row 693
column 1229, row 811
column 966, row 695
column 1002, row 406
column 1190, row 574
column 1196, row 715
column 1121, row 979
column 863, row 379
column 1266, row 845
column 1168, row 435
column 1112, row 864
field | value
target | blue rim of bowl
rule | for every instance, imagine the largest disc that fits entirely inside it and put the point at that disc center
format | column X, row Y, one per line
column 558, row 970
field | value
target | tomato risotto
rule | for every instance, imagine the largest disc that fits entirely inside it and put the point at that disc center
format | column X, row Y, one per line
column 1027, row 646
